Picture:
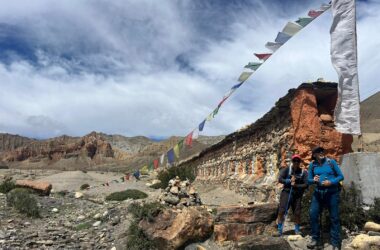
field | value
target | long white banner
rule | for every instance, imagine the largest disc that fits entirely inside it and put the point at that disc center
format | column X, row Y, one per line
column 344, row 60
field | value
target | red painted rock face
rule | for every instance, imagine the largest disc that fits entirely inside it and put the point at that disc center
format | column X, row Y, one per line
column 311, row 126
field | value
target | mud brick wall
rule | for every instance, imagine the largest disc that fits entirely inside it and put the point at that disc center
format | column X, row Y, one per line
column 248, row 161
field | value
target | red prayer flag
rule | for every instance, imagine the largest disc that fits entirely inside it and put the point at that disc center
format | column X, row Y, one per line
column 314, row 13
column 263, row 56
column 189, row 139
column 155, row 163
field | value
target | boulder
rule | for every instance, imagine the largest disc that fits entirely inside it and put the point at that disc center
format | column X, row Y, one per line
column 364, row 241
column 247, row 214
column 262, row 243
column 172, row 229
column 171, row 199
column 372, row 226
column 236, row 231
column 40, row 186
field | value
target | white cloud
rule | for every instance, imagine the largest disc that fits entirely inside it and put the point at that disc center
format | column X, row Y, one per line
column 141, row 88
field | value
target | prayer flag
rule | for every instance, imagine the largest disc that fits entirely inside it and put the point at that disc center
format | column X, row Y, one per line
column 237, row 85
column 291, row 28
column 314, row 13
column 170, row 156
column 215, row 112
column 201, row 125
column 282, row 37
column 263, row 57
column 189, row 139
column 195, row 134
column 253, row 65
column 151, row 167
column 155, row 163
column 325, row 6
column 176, row 150
column 209, row 117
column 303, row 21
column 162, row 159
column 344, row 59
column 180, row 144
column 273, row 46
column 244, row 76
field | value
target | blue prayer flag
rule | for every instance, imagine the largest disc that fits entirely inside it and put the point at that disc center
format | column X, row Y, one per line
column 201, row 125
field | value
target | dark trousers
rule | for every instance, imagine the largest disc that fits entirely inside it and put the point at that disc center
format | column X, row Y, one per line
column 331, row 201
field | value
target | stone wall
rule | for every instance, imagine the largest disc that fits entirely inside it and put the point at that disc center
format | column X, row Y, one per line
column 248, row 161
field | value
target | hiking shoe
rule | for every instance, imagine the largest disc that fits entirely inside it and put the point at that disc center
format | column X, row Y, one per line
column 314, row 244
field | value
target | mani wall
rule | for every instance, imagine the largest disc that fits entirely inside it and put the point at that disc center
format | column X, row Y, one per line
column 248, row 161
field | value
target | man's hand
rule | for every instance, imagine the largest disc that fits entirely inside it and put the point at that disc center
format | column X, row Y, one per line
column 316, row 178
column 293, row 179
column 326, row 183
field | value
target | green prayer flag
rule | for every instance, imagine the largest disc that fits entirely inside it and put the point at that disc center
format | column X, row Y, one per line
column 253, row 65
column 303, row 21
column 215, row 112
column 180, row 144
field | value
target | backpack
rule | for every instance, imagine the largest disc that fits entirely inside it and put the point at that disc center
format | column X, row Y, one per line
column 340, row 184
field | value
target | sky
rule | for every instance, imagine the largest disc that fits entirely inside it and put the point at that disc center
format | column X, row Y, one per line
column 158, row 68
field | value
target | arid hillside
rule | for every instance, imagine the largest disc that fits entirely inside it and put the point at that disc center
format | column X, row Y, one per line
column 92, row 151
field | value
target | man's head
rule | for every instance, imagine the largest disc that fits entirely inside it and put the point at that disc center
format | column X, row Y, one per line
column 296, row 160
column 318, row 153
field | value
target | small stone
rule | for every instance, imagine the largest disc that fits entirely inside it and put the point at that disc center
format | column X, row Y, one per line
column 372, row 233
column 97, row 223
column 45, row 242
column 105, row 213
column 81, row 217
column 78, row 195
column 113, row 248
column 199, row 247
column 55, row 210
column 295, row 237
column 372, row 226
column 97, row 216
column 27, row 223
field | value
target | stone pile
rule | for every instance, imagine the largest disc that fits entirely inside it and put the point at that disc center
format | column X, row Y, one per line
column 180, row 193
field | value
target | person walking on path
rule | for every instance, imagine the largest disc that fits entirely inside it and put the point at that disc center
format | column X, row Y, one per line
column 326, row 175
column 294, row 179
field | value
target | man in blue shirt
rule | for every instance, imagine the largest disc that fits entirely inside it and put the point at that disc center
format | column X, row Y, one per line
column 325, row 174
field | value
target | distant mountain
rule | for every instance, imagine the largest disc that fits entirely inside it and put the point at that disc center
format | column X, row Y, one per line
column 95, row 150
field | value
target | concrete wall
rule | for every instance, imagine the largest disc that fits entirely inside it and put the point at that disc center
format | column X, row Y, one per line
column 364, row 170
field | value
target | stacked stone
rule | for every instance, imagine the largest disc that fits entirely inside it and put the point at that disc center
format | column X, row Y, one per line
column 180, row 194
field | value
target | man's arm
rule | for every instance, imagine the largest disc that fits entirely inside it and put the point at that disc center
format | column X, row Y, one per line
column 304, row 180
column 310, row 178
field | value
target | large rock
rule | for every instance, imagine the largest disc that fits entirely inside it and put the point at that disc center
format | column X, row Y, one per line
column 40, row 186
column 372, row 226
column 364, row 242
column 172, row 229
column 263, row 243
column 235, row 222
column 247, row 214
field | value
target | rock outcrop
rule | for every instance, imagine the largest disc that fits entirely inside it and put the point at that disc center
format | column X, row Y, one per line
column 236, row 222
column 39, row 186
column 172, row 229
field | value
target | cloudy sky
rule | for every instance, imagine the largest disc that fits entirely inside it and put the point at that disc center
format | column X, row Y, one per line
column 158, row 68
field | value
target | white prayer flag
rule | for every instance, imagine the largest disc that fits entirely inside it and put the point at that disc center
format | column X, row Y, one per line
column 273, row 46
column 344, row 60
column 291, row 28
column 162, row 159
column 244, row 76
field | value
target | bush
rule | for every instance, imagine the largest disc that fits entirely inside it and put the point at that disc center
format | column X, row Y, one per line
column 23, row 201
column 157, row 185
column 127, row 194
column 374, row 211
column 183, row 172
column 84, row 186
column 147, row 211
column 7, row 186
column 137, row 240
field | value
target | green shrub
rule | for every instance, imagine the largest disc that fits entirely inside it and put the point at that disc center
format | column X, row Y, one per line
column 84, row 186
column 374, row 211
column 127, row 194
column 146, row 211
column 157, row 185
column 23, row 201
column 137, row 240
column 183, row 172
column 7, row 186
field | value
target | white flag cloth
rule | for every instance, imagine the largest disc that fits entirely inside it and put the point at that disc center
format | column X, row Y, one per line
column 244, row 76
column 162, row 159
column 291, row 28
column 195, row 134
column 344, row 60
